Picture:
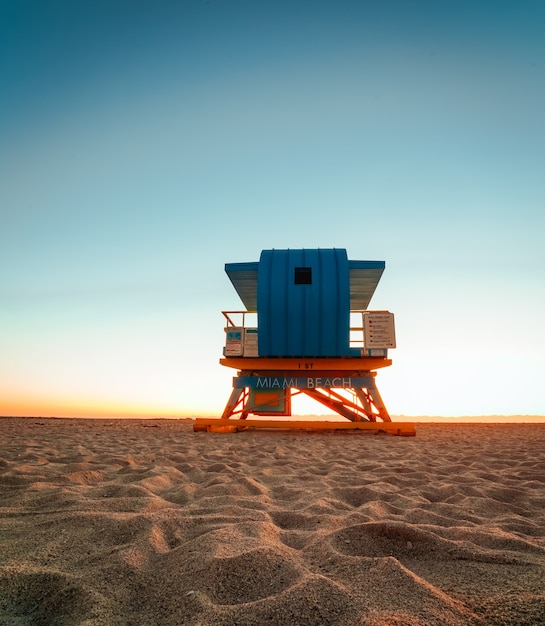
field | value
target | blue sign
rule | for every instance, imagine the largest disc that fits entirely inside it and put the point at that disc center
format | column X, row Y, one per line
column 308, row 382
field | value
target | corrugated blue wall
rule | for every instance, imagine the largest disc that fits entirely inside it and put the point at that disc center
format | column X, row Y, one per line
column 304, row 319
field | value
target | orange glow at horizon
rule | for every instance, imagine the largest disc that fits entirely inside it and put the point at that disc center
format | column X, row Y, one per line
column 81, row 407
column 16, row 406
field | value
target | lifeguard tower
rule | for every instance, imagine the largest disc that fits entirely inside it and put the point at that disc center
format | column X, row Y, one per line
column 306, row 328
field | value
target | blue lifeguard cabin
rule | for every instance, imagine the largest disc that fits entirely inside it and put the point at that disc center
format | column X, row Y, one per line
column 306, row 328
column 303, row 299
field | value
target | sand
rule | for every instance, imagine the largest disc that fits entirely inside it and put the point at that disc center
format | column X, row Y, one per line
column 143, row 522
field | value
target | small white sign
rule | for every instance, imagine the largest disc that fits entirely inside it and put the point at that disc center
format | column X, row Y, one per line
column 379, row 330
column 233, row 341
column 250, row 342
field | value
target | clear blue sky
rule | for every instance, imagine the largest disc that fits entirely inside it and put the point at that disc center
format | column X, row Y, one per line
column 145, row 144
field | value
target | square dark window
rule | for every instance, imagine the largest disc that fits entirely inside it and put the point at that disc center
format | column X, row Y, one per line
column 303, row 276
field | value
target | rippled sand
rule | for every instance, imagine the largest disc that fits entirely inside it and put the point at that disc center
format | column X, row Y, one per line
column 133, row 522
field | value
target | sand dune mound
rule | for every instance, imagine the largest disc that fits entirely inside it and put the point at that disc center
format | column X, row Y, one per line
column 375, row 539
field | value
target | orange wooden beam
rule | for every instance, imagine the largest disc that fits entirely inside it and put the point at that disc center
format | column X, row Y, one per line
column 403, row 429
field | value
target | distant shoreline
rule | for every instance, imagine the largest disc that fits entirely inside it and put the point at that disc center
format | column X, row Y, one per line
column 466, row 419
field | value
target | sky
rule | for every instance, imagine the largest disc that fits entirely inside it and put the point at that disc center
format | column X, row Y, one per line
column 145, row 144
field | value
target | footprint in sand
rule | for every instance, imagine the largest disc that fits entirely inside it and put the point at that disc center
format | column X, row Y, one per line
column 249, row 576
column 44, row 597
